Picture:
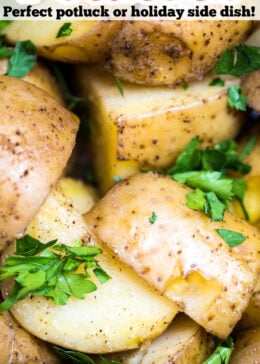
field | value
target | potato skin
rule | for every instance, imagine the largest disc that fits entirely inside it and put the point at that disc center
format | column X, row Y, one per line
column 171, row 52
column 37, row 136
column 251, row 89
column 181, row 254
column 247, row 347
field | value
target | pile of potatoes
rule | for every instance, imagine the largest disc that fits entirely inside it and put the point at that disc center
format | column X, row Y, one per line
column 175, row 285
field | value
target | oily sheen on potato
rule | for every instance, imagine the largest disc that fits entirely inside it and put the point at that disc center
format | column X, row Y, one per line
column 119, row 315
column 181, row 253
column 37, row 136
column 147, row 128
column 171, row 52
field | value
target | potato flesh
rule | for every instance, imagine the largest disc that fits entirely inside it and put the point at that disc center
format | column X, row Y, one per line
column 171, row 52
column 148, row 127
column 247, row 348
column 37, row 136
column 181, row 254
column 119, row 315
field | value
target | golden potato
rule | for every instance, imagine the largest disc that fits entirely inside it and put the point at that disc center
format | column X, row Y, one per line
column 36, row 138
column 251, row 316
column 119, row 315
column 171, row 52
column 247, row 348
column 88, row 41
column 251, row 89
column 149, row 127
column 19, row 347
column 181, row 253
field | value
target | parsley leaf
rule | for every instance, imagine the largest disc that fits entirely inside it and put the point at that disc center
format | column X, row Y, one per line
column 22, row 60
column 239, row 60
column 236, row 99
column 217, row 82
column 222, row 353
column 5, row 51
column 119, row 86
column 65, row 30
column 152, row 218
column 4, row 23
column 52, row 270
column 232, row 238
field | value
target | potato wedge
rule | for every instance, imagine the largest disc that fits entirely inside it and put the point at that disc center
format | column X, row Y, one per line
column 183, row 342
column 88, row 41
column 148, row 127
column 119, row 315
column 171, row 52
column 37, row 136
column 19, row 347
column 247, row 348
column 251, row 89
column 181, row 253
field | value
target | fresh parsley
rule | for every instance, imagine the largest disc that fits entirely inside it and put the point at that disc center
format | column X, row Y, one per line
column 119, row 86
column 232, row 238
column 79, row 358
column 64, row 31
column 152, row 218
column 239, row 60
column 22, row 60
column 236, row 99
column 5, row 51
column 185, row 86
column 208, row 172
column 52, row 270
column 217, row 82
column 4, row 23
column 222, row 353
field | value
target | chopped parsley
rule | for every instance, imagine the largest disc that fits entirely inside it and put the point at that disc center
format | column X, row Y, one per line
column 64, row 31
column 217, row 82
column 23, row 59
column 185, row 86
column 236, row 99
column 207, row 171
column 119, row 86
column 222, row 353
column 232, row 238
column 5, row 50
column 79, row 358
column 152, row 218
column 4, row 23
column 52, row 270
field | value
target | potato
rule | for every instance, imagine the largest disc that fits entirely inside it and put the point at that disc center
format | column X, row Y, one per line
column 149, row 127
column 88, row 41
column 251, row 89
column 251, row 316
column 19, row 347
column 119, row 315
column 181, row 253
column 171, row 52
column 247, row 348
column 183, row 342
column 36, row 138
column 39, row 76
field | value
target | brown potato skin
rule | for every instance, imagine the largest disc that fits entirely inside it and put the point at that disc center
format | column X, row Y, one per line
column 37, row 136
column 247, row 347
column 171, row 52
column 251, row 89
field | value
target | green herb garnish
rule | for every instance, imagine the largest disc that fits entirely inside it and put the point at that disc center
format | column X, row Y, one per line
column 4, row 23
column 236, row 99
column 222, row 353
column 78, row 357
column 152, row 218
column 239, row 60
column 207, row 171
column 185, row 86
column 119, row 86
column 5, row 51
column 52, row 270
column 232, row 238
column 22, row 60
column 217, row 82
column 65, row 30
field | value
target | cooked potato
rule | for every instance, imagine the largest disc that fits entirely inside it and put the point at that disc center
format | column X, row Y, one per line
column 181, row 253
column 247, row 348
column 37, row 136
column 119, row 315
column 251, row 316
column 88, row 41
column 39, row 76
column 171, row 52
column 251, row 89
column 149, row 127
column 19, row 347
column 183, row 342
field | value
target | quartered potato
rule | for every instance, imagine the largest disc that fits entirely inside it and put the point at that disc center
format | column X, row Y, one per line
column 251, row 89
column 148, row 127
column 183, row 342
column 88, row 41
column 119, row 315
column 171, row 52
column 247, row 348
column 19, row 347
column 181, row 253
column 37, row 136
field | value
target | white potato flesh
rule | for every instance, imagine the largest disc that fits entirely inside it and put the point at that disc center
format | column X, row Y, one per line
column 148, row 127
column 119, row 315
column 181, row 254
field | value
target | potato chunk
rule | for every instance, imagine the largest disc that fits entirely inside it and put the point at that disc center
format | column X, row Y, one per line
column 181, row 253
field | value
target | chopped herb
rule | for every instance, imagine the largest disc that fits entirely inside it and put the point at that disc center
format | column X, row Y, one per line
column 65, row 30
column 79, row 358
column 207, row 171
column 5, row 51
column 22, row 60
column 119, row 86
column 239, row 60
column 117, row 178
column 222, row 353
column 236, row 99
column 232, row 238
column 50, row 270
column 4, row 23
column 185, row 86
column 217, row 82
column 152, row 218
